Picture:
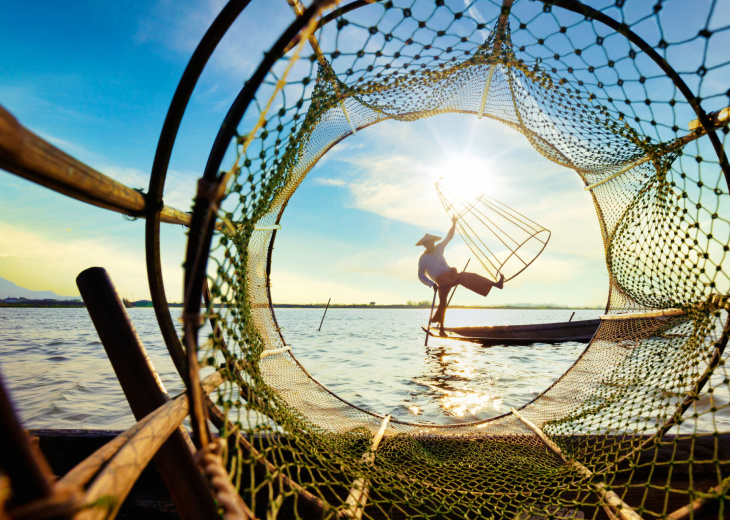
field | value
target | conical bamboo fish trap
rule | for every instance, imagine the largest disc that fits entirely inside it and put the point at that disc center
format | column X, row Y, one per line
column 503, row 240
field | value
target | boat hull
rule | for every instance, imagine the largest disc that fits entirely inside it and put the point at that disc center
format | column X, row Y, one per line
column 580, row 331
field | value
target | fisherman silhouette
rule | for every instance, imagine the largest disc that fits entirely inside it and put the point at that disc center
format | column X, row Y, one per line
column 434, row 271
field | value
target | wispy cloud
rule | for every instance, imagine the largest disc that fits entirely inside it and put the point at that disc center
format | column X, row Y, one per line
column 329, row 182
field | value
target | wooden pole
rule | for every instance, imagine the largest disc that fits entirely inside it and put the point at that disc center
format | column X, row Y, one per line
column 430, row 314
column 144, row 391
column 571, row 317
column 323, row 315
column 116, row 479
column 27, row 155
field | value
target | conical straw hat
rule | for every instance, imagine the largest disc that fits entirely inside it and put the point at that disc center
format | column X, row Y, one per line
column 426, row 239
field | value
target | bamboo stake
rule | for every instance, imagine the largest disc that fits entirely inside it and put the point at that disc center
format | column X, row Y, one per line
column 360, row 488
column 486, row 89
column 347, row 116
column 27, row 155
column 615, row 506
column 717, row 119
column 323, row 315
column 623, row 170
column 649, row 314
column 267, row 353
column 499, row 33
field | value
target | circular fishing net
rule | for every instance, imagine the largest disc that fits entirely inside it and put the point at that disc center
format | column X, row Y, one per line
column 625, row 94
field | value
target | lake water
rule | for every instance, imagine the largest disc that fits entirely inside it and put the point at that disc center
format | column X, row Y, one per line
column 58, row 375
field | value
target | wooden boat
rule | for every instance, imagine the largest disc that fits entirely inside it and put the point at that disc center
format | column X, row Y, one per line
column 580, row 330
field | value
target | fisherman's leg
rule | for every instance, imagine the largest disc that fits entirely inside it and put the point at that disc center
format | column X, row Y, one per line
column 478, row 283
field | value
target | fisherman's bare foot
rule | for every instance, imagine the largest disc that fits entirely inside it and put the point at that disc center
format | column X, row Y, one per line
column 500, row 283
column 442, row 333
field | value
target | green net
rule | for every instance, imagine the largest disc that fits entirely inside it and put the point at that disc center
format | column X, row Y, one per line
column 640, row 424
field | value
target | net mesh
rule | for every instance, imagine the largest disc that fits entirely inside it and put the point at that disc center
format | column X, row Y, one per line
column 644, row 411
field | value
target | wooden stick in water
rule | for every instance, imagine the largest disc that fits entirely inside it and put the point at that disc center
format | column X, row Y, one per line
column 325, row 314
column 430, row 315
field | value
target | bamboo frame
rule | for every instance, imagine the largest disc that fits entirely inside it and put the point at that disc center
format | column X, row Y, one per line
column 266, row 228
column 129, row 453
column 360, row 490
column 698, row 505
column 501, row 23
column 665, row 313
column 487, row 85
column 615, row 506
column 483, row 252
column 31, row 157
column 717, row 120
column 298, row 9
column 84, row 471
column 267, row 353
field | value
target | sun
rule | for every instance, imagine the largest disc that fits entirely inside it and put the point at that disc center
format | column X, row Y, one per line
column 468, row 175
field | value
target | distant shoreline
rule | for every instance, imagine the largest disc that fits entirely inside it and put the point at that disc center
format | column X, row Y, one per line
column 67, row 304
column 79, row 304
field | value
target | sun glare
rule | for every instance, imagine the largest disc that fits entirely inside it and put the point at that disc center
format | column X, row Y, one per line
column 468, row 176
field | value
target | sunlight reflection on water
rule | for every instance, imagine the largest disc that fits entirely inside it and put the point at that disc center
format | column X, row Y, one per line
column 376, row 359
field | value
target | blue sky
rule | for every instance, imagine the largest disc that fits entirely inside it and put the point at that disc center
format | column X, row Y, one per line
column 96, row 80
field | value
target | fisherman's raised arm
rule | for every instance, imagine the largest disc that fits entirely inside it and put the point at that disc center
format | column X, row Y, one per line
column 450, row 234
